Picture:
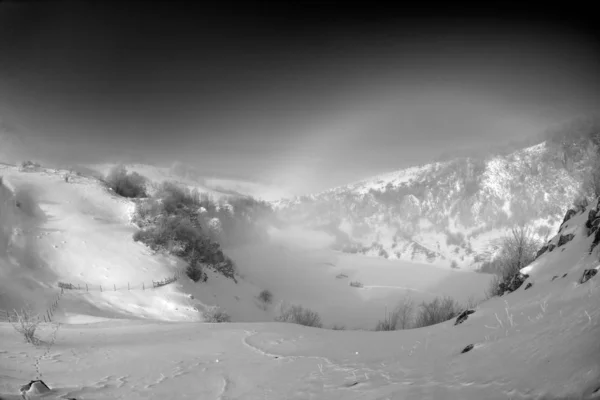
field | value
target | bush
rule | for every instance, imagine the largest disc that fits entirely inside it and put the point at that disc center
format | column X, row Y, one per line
column 266, row 296
column 400, row 318
column 299, row 315
column 436, row 311
column 124, row 184
column 216, row 314
column 29, row 165
column 26, row 323
column 194, row 272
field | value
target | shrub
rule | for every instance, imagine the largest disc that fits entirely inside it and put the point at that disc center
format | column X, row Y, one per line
column 124, row 184
column 266, row 296
column 26, row 323
column 29, row 165
column 216, row 314
column 436, row 311
column 400, row 318
column 194, row 272
column 299, row 315
column 356, row 284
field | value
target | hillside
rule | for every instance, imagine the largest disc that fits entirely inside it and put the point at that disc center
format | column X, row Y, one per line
column 79, row 232
column 538, row 342
column 445, row 212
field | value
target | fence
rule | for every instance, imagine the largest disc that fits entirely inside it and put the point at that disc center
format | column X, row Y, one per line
column 88, row 287
column 5, row 315
column 48, row 315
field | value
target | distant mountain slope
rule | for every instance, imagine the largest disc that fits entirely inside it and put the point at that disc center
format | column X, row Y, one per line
column 446, row 213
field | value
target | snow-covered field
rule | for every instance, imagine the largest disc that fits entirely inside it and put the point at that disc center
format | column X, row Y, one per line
column 540, row 343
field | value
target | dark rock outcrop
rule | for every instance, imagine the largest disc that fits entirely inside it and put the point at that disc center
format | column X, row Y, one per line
column 587, row 275
column 596, row 241
column 462, row 317
column 541, row 251
column 514, row 283
column 554, row 277
column 570, row 213
column 564, row 275
column 565, row 239
column 468, row 348
column 551, row 247
column 529, row 284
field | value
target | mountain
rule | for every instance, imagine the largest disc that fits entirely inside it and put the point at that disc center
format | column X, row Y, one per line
column 538, row 341
column 446, row 213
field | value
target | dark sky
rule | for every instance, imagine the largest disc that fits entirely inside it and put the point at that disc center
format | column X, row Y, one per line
column 305, row 95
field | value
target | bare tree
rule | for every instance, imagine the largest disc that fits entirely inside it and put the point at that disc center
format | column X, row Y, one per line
column 26, row 323
column 405, row 313
column 518, row 250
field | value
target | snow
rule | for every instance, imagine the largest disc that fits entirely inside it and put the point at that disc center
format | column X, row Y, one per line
column 540, row 343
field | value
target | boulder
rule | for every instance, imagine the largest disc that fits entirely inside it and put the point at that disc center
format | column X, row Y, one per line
column 462, row 317
column 541, row 251
column 593, row 220
column 468, row 348
column 570, row 213
column 587, row 275
column 596, row 240
column 34, row 388
column 529, row 284
column 517, row 281
column 565, row 239
column 554, row 277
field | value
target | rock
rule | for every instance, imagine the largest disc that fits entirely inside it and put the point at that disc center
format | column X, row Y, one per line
column 551, row 247
column 587, row 275
column 529, row 284
column 570, row 213
column 564, row 275
column 593, row 220
column 468, row 348
column 517, row 281
column 541, row 251
column 34, row 388
column 565, row 239
column 596, row 241
column 554, row 277
column 462, row 317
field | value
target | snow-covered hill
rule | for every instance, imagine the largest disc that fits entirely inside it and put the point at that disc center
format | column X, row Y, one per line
column 538, row 342
column 80, row 232
column 446, row 213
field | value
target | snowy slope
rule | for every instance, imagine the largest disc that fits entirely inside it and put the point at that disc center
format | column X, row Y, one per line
column 80, row 232
column 539, row 343
column 442, row 213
